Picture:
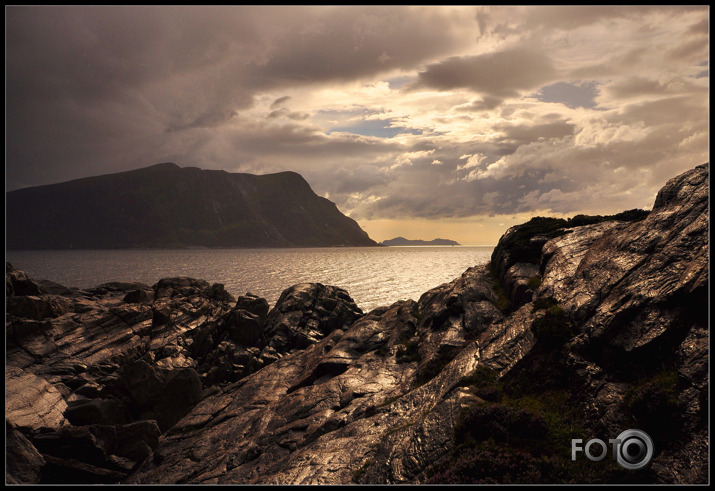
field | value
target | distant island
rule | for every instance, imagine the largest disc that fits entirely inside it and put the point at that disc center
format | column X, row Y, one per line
column 401, row 241
column 167, row 206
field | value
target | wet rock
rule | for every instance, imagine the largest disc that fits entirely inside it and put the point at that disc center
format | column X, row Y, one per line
column 139, row 296
column 36, row 307
column 31, row 402
column 17, row 283
column 97, row 411
column 306, row 313
column 253, row 304
column 52, row 288
column 165, row 395
column 322, row 410
column 180, row 392
column 518, row 278
column 180, row 285
column 219, row 293
column 136, row 441
column 24, row 462
column 244, row 327
column 161, row 316
column 71, row 471
column 90, row 444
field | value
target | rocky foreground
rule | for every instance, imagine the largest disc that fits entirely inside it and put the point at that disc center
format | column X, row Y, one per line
column 576, row 329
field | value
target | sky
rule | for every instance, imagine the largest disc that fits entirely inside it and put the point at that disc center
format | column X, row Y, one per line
column 417, row 121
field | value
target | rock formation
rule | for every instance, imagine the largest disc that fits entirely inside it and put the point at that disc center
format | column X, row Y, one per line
column 573, row 331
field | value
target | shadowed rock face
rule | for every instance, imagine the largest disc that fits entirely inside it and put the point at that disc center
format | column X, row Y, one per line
column 444, row 389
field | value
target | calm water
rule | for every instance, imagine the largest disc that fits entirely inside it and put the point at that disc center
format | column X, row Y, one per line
column 373, row 276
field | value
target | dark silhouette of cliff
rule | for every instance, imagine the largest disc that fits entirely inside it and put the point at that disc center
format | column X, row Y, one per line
column 168, row 206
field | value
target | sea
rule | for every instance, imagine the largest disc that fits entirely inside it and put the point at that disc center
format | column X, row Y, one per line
column 373, row 276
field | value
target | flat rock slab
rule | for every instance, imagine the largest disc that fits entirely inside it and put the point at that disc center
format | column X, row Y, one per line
column 32, row 402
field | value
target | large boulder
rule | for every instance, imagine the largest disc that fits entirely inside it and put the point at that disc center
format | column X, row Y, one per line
column 179, row 285
column 160, row 394
column 306, row 313
column 18, row 283
column 244, row 327
column 253, row 304
column 36, row 307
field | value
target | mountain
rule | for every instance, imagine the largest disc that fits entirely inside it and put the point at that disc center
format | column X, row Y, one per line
column 168, row 206
column 580, row 329
column 401, row 241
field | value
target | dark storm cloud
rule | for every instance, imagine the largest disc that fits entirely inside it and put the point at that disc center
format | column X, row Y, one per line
column 206, row 120
column 98, row 52
column 499, row 74
column 324, row 91
column 139, row 84
column 355, row 42
column 356, row 180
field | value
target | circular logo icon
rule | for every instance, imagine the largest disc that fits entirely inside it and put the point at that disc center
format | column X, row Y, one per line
column 634, row 450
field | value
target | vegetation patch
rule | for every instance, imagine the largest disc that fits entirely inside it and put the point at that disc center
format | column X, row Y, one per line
column 633, row 215
column 534, row 282
column 485, row 383
column 503, row 302
column 542, row 303
column 519, row 244
column 553, row 329
column 556, row 409
column 523, row 439
column 409, row 352
column 653, row 403
column 489, row 463
column 383, row 350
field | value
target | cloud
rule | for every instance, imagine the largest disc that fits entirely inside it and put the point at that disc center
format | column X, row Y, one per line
column 353, row 42
column 392, row 112
column 284, row 112
column 572, row 95
column 486, row 103
column 280, row 101
column 188, row 68
column 522, row 134
column 499, row 74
